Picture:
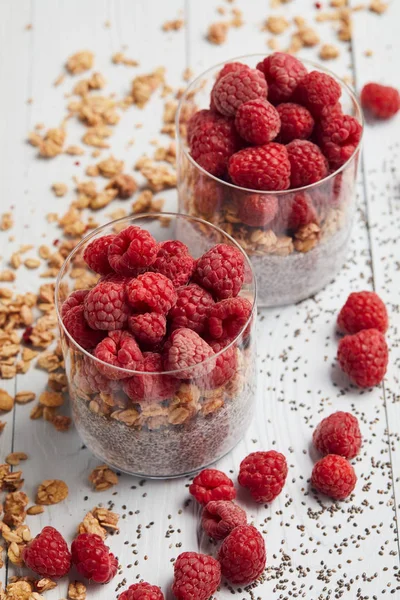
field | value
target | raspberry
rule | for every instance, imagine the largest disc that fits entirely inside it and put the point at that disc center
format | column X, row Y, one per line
column 224, row 367
column 149, row 329
column 257, row 121
column 257, row 210
column 296, row 122
column 118, row 349
column 76, row 325
column 184, row 350
column 232, row 67
column 338, row 434
column 142, row 591
column 283, row 73
column 196, row 576
column 382, row 101
column 133, row 249
column 48, row 554
column 339, row 137
column 364, row 357
column 211, row 484
column 220, row 517
column 211, row 145
column 227, row 318
column 363, row 310
column 151, row 292
column 90, row 380
column 307, row 162
column 295, row 211
column 174, row 261
column 96, row 254
column 221, row 271
column 242, row 555
column 332, row 110
column 262, row 168
column 105, row 306
column 93, row 558
column 208, row 196
column 191, row 308
column 334, row 476
column 203, row 117
column 317, row 91
column 238, row 87
column 74, row 299
column 263, row 474
column 152, row 387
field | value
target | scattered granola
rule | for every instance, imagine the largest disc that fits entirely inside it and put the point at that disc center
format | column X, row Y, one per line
column 217, row 32
column 174, row 25
column 76, row 591
column 51, row 491
column 144, row 86
column 276, row 24
column 14, row 458
column 6, row 221
column 6, row 401
column 80, row 62
column 59, row 189
column 102, row 478
column 119, row 58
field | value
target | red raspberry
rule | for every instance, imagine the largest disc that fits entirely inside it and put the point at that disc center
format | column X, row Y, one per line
column 203, row 117
column 295, row 211
column 105, row 306
column 307, row 162
column 238, row 87
column 76, row 325
column 184, row 350
column 257, row 210
column 232, row 67
column 196, row 576
column 257, row 121
column 262, row 168
column 74, row 299
column 48, row 554
column 191, row 308
column 382, row 101
column 296, row 122
column 89, row 379
column 142, row 591
column 96, row 254
column 151, row 292
column 227, row 318
column 221, row 271
column 133, row 249
column 364, row 357
column 339, row 137
column 149, row 329
column 93, row 558
column 174, row 261
column 220, row 517
column 211, row 484
column 242, row 555
column 316, row 91
column 338, row 434
column 332, row 110
column 334, row 476
column 118, row 349
column 283, row 73
column 224, row 367
column 263, row 474
column 212, row 144
column 208, row 197
column 153, row 387
column 363, row 310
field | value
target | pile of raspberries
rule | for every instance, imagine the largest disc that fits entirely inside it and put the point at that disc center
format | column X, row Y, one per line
column 157, row 309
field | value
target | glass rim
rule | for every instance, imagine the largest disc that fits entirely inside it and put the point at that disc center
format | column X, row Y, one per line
column 151, row 216
column 304, row 188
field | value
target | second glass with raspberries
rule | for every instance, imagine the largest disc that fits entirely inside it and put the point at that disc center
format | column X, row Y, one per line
column 268, row 151
column 159, row 345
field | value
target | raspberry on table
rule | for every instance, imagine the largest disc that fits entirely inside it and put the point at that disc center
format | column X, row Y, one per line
column 227, row 318
column 221, row 271
column 191, row 308
column 382, row 101
column 93, row 558
column 257, row 121
column 364, row 357
column 363, row 310
column 151, row 292
column 142, row 591
column 283, row 72
column 237, row 87
column 148, row 329
column 338, row 434
column 220, row 517
column 261, row 168
column 334, row 476
column 118, row 349
column 307, row 163
column 208, row 196
column 339, row 137
column 96, row 254
column 184, row 352
column 74, row 299
column 105, row 306
column 257, row 210
column 132, row 249
column 296, row 122
column 77, row 326
column 48, row 554
column 211, row 484
column 174, row 261
column 211, row 145
column 263, row 474
column 316, row 91
column 243, row 555
column 196, row 576
column 224, row 367
column 152, row 387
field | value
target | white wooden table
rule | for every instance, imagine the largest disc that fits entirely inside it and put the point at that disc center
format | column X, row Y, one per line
column 316, row 549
